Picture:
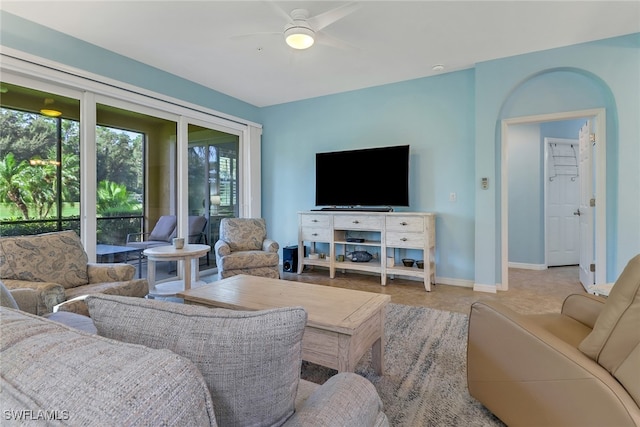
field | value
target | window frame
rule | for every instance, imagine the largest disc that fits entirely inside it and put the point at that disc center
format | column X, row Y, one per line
column 31, row 71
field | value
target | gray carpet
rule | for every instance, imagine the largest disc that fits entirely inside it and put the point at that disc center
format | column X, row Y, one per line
column 425, row 370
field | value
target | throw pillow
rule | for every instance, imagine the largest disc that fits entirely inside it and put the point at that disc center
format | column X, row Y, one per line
column 250, row 359
column 615, row 340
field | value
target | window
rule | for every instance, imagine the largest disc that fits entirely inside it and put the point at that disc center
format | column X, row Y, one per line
column 39, row 162
column 120, row 184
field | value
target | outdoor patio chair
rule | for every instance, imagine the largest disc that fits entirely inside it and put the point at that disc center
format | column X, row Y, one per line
column 161, row 235
column 197, row 231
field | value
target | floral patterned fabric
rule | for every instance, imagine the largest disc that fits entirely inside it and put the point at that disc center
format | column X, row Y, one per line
column 243, row 248
column 132, row 288
column 269, row 272
column 114, row 272
column 243, row 234
column 51, row 257
column 245, row 259
column 48, row 294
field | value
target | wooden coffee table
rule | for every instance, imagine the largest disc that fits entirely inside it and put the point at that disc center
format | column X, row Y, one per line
column 342, row 324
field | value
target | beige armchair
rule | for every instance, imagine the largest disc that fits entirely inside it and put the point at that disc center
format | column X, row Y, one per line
column 580, row 367
column 243, row 248
column 56, row 265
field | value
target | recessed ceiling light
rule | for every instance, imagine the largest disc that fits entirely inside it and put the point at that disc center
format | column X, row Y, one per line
column 438, row 67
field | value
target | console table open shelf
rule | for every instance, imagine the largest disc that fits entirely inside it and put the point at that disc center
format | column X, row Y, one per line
column 387, row 232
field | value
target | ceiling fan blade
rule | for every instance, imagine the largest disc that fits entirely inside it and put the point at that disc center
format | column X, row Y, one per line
column 266, row 33
column 280, row 11
column 327, row 40
column 327, row 18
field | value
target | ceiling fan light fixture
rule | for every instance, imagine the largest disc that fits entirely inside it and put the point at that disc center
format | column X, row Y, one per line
column 299, row 37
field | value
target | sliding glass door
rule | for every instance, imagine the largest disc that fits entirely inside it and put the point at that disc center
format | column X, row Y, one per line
column 213, row 171
column 107, row 162
column 136, row 172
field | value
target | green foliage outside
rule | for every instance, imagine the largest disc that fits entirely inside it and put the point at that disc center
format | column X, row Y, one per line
column 37, row 174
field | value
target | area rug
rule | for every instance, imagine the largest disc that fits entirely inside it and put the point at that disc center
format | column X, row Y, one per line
column 425, row 370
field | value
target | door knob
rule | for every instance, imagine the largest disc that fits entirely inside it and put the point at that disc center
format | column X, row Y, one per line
column 577, row 212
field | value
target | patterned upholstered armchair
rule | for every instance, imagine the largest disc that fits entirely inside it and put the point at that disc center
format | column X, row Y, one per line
column 243, row 248
column 57, row 267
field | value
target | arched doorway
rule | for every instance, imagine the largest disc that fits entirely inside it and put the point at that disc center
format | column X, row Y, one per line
column 572, row 94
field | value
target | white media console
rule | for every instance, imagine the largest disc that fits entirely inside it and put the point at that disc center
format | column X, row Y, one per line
column 386, row 233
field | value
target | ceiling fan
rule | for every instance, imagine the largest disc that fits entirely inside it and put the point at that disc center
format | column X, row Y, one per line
column 302, row 31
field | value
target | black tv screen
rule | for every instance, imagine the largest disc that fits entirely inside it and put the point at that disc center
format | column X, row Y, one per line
column 365, row 177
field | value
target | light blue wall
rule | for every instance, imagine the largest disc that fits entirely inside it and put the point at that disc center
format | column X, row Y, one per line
column 567, row 129
column 433, row 115
column 526, row 225
column 20, row 34
column 613, row 67
column 451, row 122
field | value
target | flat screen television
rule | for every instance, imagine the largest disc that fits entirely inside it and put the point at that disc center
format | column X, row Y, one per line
column 365, row 177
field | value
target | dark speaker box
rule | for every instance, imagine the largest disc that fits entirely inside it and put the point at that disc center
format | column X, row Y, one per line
column 290, row 258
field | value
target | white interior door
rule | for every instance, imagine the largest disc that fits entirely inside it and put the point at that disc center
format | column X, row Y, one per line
column 587, row 257
column 563, row 202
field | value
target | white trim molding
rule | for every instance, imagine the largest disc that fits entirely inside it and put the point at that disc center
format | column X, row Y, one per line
column 526, row 266
column 463, row 283
column 491, row 289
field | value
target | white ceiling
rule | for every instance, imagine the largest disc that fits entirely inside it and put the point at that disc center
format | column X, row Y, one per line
column 207, row 41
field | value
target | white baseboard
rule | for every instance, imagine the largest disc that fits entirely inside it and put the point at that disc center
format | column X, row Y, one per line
column 441, row 281
column 454, row 282
column 526, row 266
column 464, row 283
column 492, row 289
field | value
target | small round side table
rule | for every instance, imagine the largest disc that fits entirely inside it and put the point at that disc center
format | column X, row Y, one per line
column 188, row 255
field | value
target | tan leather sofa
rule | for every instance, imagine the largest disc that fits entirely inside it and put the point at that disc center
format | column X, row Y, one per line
column 56, row 266
column 580, row 367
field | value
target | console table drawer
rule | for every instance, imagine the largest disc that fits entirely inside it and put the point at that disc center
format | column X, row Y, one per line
column 315, row 234
column 315, row 220
column 390, row 233
column 404, row 240
column 405, row 224
column 357, row 222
